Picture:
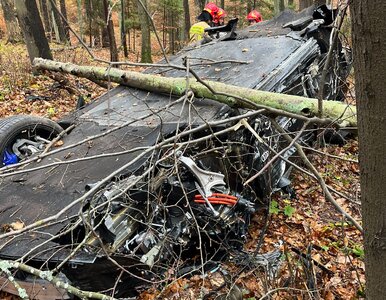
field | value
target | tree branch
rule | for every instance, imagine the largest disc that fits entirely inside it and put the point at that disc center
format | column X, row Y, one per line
column 234, row 96
column 6, row 265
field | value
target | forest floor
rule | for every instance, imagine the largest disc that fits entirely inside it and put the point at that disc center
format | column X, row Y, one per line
column 306, row 227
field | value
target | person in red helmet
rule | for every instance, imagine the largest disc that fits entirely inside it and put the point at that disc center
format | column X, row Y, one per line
column 215, row 13
column 211, row 8
column 254, row 17
column 210, row 16
column 219, row 17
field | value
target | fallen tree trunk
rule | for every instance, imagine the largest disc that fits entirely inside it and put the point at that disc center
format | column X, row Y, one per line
column 334, row 110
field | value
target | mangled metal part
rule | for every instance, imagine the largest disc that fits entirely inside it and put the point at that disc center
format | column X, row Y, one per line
column 277, row 81
column 270, row 262
column 151, row 237
column 27, row 146
column 150, row 257
column 122, row 223
column 206, row 179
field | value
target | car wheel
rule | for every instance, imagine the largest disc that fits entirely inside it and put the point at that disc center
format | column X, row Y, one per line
column 23, row 136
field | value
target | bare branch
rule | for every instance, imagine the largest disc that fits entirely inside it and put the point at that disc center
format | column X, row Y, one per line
column 6, row 265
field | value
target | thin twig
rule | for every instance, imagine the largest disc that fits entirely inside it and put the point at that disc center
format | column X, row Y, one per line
column 330, row 155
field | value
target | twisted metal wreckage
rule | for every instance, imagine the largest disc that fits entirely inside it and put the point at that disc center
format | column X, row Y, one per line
column 145, row 183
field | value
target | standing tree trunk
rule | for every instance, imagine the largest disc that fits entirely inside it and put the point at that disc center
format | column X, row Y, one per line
column 279, row 6
column 370, row 67
column 304, row 4
column 186, row 19
column 102, row 21
column 123, row 29
column 200, row 4
column 92, row 16
column 250, row 6
column 57, row 23
column 145, row 29
column 80, row 17
column 63, row 10
column 319, row 2
column 13, row 29
column 175, row 25
column 32, row 28
column 110, row 32
column 45, row 17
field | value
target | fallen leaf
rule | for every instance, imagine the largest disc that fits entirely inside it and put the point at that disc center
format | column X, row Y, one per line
column 59, row 143
column 17, row 225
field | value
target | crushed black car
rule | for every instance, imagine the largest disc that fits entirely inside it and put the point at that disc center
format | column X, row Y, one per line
column 145, row 183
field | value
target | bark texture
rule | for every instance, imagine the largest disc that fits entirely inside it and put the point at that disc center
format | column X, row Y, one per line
column 177, row 86
column 110, row 32
column 200, row 4
column 13, row 29
column 279, row 6
column 186, row 19
column 32, row 28
column 369, row 39
column 57, row 23
column 145, row 30
column 45, row 16
column 123, row 29
column 63, row 10
column 305, row 3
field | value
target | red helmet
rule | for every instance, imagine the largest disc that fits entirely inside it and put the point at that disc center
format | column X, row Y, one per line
column 254, row 15
column 221, row 14
column 211, row 8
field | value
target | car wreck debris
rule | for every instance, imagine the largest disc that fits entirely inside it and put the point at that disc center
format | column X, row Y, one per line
column 144, row 187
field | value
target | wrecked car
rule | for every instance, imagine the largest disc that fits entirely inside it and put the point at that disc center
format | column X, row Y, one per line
column 143, row 185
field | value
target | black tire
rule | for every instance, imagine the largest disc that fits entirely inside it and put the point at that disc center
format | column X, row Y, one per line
column 25, row 127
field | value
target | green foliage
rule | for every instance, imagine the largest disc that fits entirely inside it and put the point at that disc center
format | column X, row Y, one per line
column 292, row 6
column 51, row 112
column 361, row 292
column 358, row 251
column 273, row 208
column 132, row 20
column 173, row 5
column 132, row 23
column 288, row 210
column 331, row 226
column 352, row 248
